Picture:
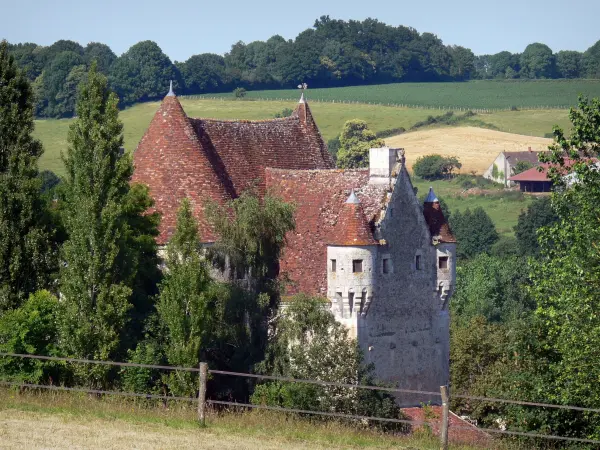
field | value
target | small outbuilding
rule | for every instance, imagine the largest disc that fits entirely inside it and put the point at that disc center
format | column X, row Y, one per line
column 533, row 180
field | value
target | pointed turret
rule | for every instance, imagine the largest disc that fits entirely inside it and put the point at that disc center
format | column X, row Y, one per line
column 438, row 225
column 309, row 125
column 352, row 228
column 171, row 160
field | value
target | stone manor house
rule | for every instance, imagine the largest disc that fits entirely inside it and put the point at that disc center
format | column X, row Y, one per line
column 385, row 262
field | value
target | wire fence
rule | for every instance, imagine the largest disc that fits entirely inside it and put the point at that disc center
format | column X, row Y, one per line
column 201, row 400
column 390, row 104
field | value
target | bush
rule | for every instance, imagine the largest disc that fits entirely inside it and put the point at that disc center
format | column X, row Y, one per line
column 310, row 344
column 333, row 145
column 286, row 112
column 30, row 329
column 434, row 167
column 390, row 132
column 474, row 231
column 522, row 166
column 239, row 92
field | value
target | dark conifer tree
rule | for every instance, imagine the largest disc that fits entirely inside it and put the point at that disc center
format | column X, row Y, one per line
column 25, row 255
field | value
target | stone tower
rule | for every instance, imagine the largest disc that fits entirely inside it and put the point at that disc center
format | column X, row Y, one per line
column 445, row 248
column 351, row 261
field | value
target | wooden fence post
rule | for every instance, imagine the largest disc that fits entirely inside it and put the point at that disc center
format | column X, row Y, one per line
column 202, row 393
column 445, row 414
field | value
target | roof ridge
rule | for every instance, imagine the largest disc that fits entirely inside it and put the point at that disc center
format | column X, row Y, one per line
column 276, row 119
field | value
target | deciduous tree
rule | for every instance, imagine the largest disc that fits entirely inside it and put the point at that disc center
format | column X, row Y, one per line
column 355, row 141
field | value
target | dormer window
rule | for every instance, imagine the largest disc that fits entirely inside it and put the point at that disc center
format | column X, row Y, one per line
column 357, row 265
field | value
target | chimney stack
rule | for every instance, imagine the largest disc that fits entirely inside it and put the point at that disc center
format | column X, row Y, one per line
column 382, row 162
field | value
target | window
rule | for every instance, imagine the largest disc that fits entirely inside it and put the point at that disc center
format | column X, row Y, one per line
column 418, row 262
column 443, row 262
column 333, row 265
column 357, row 265
column 386, row 265
column 351, row 302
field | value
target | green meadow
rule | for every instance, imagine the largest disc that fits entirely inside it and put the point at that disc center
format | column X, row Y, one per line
column 477, row 94
column 330, row 118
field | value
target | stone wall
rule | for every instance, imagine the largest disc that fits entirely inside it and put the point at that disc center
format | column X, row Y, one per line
column 406, row 334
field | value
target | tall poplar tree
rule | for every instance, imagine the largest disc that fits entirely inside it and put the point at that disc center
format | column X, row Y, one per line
column 24, row 249
column 95, row 287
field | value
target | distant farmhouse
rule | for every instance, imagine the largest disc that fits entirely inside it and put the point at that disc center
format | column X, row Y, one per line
column 385, row 262
column 503, row 167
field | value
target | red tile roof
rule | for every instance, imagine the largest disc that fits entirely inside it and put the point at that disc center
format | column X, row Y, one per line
column 205, row 159
column 460, row 431
column 319, row 197
column 532, row 174
column 352, row 228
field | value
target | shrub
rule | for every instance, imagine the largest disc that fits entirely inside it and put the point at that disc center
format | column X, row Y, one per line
column 310, row 344
column 474, row 230
column 30, row 329
column 522, row 166
column 390, row 132
column 239, row 92
column 434, row 167
column 286, row 112
column 333, row 145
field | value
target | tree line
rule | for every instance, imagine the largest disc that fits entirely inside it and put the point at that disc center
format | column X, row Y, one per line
column 81, row 276
column 331, row 53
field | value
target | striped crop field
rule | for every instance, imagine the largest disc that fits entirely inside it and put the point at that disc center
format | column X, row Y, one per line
column 479, row 94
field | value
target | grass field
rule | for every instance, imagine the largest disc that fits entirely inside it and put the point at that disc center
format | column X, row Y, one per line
column 330, row 118
column 476, row 148
column 479, row 94
column 58, row 420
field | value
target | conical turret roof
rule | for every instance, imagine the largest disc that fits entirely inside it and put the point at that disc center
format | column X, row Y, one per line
column 171, row 160
column 352, row 228
column 434, row 216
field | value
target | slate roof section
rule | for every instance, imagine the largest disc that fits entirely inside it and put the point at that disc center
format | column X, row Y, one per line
column 434, row 216
column 529, row 156
column 319, row 197
column 206, row 159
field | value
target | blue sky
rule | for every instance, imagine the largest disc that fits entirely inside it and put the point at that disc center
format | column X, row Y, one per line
column 184, row 28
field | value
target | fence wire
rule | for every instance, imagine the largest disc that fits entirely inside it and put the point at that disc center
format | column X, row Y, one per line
column 293, row 410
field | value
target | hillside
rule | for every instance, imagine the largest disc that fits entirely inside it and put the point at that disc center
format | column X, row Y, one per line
column 476, row 148
column 330, row 118
column 478, row 94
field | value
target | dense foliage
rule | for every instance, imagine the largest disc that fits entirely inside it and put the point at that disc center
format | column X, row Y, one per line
column 354, row 143
column 527, row 327
column 474, row 231
column 435, row 167
column 25, row 256
column 308, row 343
column 100, row 262
column 331, row 53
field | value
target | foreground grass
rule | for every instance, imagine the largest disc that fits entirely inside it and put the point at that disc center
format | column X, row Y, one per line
column 66, row 420
column 330, row 118
column 477, row 94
